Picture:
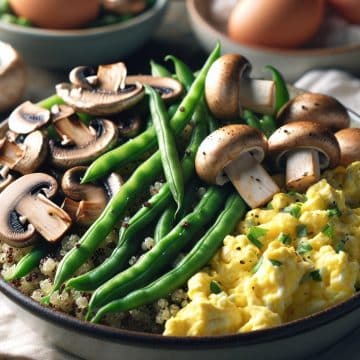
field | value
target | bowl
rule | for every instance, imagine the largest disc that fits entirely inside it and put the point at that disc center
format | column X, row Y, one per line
column 295, row 339
column 64, row 49
column 293, row 62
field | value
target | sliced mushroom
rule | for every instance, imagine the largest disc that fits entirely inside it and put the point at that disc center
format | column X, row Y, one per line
column 313, row 107
column 306, row 147
column 169, row 88
column 24, row 157
column 104, row 94
column 85, row 202
column 237, row 151
column 6, row 178
column 26, row 211
column 12, row 76
column 80, row 144
column 125, row 6
column 349, row 142
column 229, row 89
column 28, row 117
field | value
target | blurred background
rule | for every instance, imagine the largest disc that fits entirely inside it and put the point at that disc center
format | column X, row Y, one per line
column 295, row 36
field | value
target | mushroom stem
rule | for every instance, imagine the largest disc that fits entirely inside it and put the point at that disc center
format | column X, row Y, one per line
column 302, row 169
column 112, row 77
column 46, row 217
column 10, row 153
column 74, row 131
column 257, row 95
column 251, row 180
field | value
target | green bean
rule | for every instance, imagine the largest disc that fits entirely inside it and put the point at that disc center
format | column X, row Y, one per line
column 186, row 77
column 159, row 70
column 167, row 146
column 165, row 223
column 281, row 90
column 137, row 147
column 268, row 125
column 197, row 258
column 129, row 238
column 141, row 179
column 49, row 102
column 162, row 254
column 183, row 72
column 251, row 119
column 29, row 262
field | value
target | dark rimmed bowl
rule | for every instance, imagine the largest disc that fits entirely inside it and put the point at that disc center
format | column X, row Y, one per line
column 65, row 49
column 292, row 62
column 296, row 339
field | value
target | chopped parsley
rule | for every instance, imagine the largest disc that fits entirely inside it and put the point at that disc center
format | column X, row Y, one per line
column 297, row 196
column 275, row 262
column 334, row 211
column 315, row 275
column 301, row 230
column 215, row 287
column 269, row 206
column 254, row 233
column 284, row 238
column 303, row 247
column 257, row 266
column 294, row 210
column 340, row 246
column 328, row 230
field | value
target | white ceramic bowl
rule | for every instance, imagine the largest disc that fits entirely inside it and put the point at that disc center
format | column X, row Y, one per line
column 293, row 63
column 294, row 340
column 69, row 48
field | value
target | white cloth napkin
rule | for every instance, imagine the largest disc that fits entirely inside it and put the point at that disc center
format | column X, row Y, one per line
column 17, row 339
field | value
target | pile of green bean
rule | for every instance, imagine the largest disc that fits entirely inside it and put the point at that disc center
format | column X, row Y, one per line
column 178, row 221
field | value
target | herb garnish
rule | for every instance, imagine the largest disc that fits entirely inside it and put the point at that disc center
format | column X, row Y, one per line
column 328, row 230
column 215, row 287
column 303, row 247
column 284, row 238
column 254, row 233
column 275, row 262
column 257, row 266
column 301, row 230
column 315, row 275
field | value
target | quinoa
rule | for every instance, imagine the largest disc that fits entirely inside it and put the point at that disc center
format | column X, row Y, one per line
column 38, row 284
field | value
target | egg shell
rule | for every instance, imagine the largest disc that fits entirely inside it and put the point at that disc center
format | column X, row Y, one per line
column 277, row 23
column 55, row 14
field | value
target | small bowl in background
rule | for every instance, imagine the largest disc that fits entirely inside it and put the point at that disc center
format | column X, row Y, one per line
column 64, row 49
column 292, row 62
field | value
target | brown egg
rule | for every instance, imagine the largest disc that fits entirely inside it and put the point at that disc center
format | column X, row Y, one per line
column 349, row 9
column 275, row 23
column 57, row 14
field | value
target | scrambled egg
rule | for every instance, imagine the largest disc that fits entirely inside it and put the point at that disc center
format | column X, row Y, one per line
column 298, row 256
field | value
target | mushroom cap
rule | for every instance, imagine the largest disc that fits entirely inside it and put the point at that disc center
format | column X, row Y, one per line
column 28, row 117
column 169, row 88
column 349, row 142
column 222, row 85
column 223, row 146
column 69, row 156
column 304, row 134
column 85, row 202
column 70, row 185
column 100, row 102
column 320, row 108
column 12, row 230
column 12, row 76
